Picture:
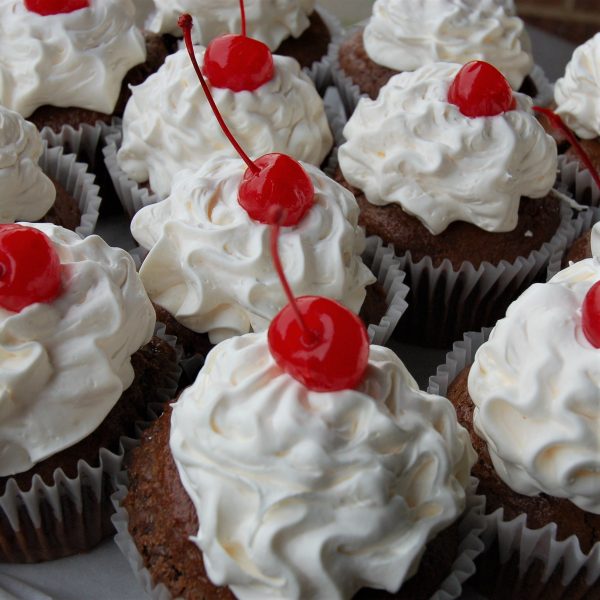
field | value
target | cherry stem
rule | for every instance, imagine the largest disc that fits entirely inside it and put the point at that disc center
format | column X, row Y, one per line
column 243, row 13
column 279, row 215
column 559, row 124
column 185, row 23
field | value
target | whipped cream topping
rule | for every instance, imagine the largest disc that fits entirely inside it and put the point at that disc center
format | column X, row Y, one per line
column 412, row 147
column 210, row 264
column 27, row 194
column 577, row 93
column 405, row 35
column 64, row 364
column 267, row 21
column 536, row 387
column 169, row 125
column 314, row 495
column 70, row 59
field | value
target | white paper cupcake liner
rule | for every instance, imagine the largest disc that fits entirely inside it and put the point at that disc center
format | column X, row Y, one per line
column 351, row 93
column 72, row 514
column 533, row 548
column 577, row 181
column 386, row 267
column 83, row 141
column 471, row 528
column 77, row 181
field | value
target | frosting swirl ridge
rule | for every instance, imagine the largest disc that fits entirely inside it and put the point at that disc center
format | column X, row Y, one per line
column 577, row 93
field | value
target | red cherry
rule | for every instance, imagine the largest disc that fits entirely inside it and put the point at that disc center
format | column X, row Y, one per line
column 238, row 63
column 281, row 183
column 29, row 268
column 590, row 315
column 55, row 7
column 558, row 123
column 332, row 357
column 480, row 90
column 273, row 185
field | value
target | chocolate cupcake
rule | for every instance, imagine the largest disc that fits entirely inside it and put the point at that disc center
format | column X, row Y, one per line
column 529, row 400
column 577, row 98
column 387, row 520
column 466, row 200
column 290, row 28
column 169, row 125
column 101, row 52
column 80, row 365
column 40, row 184
column 403, row 36
column 209, row 265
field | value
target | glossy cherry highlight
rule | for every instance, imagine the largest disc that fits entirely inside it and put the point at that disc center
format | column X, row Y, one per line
column 316, row 340
column 557, row 123
column 480, row 90
column 274, row 183
column 29, row 268
column 590, row 315
column 238, row 63
column 281, row 182
column 55, row 7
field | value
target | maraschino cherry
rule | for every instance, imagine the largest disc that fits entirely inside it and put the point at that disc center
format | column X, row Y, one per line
column 480, row 90
column 316, row 340
column 29, row 268
column 55, row 7
column 558, row 123
column 273, row 180
column 238, row 62
column 590, row 315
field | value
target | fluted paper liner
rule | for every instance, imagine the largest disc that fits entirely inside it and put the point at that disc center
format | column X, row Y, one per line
column 471, row 527
column 578, row 181
column 541, row 557
column 78, row 182
column 83, row 141
column 351, row 93
column 71, row 515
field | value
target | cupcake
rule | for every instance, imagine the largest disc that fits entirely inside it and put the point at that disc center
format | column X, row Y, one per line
column 530, row 400
column 402, row 35
column 209, row 265
column 316, row 494
column 461, row 192
column 72, row 67
column 31, row 193
column 577, row 97
column 79, row 366
column 169, row 125
column 288, row 27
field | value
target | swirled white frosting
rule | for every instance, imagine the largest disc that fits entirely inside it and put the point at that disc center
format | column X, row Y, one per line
column 536, row 387
column 27, row 194
column 314, row 495
column 405, row 35
column 64, row 364
column 577, row 93
column 210, row 265
column 73, row 59
column 412, row 147
column 267, row 21
column 168, row 124
column 595, row 240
